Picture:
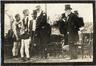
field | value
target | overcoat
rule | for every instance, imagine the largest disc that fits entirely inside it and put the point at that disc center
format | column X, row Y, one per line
column 43, row 29
column 70, row 26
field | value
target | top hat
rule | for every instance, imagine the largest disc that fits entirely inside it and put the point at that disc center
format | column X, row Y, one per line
column 67, row 7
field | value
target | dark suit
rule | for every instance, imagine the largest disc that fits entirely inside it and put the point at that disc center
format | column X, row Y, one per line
column 41, row 18
column 44, row 36
column 81, row 22
column 26, row 34
column 42, row 33
column 70, row 28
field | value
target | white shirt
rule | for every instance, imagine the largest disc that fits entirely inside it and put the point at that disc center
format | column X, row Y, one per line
column 29, row 18
column 26, row 19
column 34, row 25
column 34, row 21
column 66, row 14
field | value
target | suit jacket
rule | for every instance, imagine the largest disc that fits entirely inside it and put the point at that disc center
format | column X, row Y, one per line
column 25, row 28
column 71, row 25
column 81, row 22
column 44, row 33
column 41, row 18
column 43, row 29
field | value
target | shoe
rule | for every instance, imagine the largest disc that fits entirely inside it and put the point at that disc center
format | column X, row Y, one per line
column 23, row 59
column 27, row 59
column 15, row 57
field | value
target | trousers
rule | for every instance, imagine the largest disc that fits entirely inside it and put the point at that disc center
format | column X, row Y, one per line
column 15, row 49
column 73, row 51
column 25, row 45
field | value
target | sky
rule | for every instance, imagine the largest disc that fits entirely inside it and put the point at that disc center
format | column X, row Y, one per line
column 53, row 10
column 85, row 10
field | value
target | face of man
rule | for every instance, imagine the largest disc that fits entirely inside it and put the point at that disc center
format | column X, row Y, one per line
column 17, row 18
column 33, row 17
column 68, row 11
column 38, row 8
column 76, row 14
column 26, row 13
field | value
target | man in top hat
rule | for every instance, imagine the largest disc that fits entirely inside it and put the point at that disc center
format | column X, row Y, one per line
column 69, row 26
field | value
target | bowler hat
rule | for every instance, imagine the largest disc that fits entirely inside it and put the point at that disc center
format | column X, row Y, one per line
column 76, row 12
column 67, row 7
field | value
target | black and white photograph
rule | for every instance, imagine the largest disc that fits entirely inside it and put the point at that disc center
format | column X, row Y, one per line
column 48, row 32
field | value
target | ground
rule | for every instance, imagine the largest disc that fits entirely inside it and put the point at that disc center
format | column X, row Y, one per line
column 50, row 59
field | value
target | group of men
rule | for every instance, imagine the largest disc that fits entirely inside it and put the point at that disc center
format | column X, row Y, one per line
column 27, row 31
column 37, row 31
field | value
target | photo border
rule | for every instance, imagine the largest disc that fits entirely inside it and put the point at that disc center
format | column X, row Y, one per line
column 62, row 63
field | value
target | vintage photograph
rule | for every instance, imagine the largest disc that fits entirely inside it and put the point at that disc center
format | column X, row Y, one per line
column 48, row 32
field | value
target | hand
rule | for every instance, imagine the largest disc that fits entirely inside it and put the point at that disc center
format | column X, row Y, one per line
column 82, row 28
column 63, row 20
